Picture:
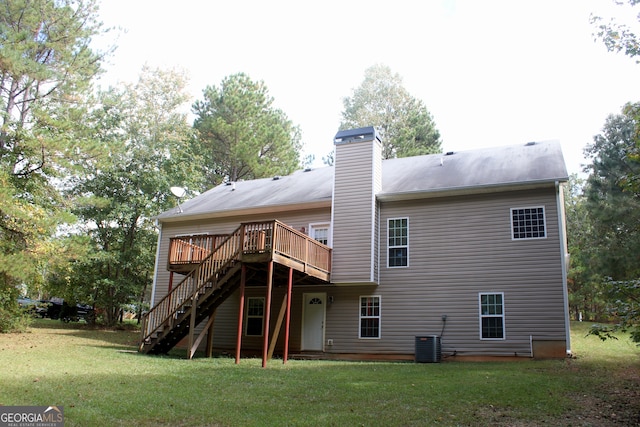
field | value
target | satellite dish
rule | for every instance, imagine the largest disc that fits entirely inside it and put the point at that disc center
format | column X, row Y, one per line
column 179, row 192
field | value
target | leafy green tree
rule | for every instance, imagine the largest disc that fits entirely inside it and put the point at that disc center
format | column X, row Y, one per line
column 404, row 121
column 150, row 151
column 614, row 208
column 586, row 300
column 615, row 187
column 625, row 310
column 46, row 66
column 618, row 37
column 615, row 212
column 242, row 134
column 631, row 180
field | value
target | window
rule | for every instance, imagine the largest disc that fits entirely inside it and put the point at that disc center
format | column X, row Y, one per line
column 492, row 316
column 370, row 317
column 320, row 232
column 398, row 238
column 255, row 316
column 528, row 223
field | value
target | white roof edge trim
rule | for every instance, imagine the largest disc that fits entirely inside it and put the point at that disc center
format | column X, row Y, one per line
column 179, row 217
column 458, row 191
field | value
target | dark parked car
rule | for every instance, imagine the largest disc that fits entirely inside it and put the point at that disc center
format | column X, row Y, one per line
column 77, row 313
column 56, row 308
column 51, row 308
column 28, row 304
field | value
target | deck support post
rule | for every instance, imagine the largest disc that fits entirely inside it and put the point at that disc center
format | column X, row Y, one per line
column 192, row 325
column 277, row 328
column 267, row 316
column 210, row 334
column 243, row 278
column 287, row 323
column 193, row 346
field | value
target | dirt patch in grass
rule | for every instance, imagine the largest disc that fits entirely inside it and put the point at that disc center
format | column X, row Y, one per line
column 614, row 402
column 617, row 403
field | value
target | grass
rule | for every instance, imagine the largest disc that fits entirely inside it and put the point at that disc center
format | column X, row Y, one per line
column 99, row 379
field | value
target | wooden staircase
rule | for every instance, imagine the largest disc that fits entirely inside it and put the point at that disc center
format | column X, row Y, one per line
column 218, row 275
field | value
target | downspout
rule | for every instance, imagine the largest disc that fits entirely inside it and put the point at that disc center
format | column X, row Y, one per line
column 564, row 255
column 155, row 268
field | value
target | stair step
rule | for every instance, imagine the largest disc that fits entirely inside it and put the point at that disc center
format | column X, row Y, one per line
column 215, row 290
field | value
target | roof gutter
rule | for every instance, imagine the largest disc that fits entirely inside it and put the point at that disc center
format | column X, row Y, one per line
column 461, row 191
column 258, row 210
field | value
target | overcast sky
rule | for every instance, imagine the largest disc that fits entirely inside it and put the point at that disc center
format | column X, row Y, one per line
column 491, row 73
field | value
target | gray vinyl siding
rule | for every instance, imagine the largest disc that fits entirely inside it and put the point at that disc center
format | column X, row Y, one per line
column 460, row 247
column 226, row 321
column 356, row 178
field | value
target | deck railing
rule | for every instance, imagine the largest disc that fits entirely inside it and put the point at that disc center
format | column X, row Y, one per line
column 193, row 249
column 249, row 238
column 299, row 247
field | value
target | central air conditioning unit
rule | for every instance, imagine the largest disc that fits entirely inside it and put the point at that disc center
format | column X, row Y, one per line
column 428, row 349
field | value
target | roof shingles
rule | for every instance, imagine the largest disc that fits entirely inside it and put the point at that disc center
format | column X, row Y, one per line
column 465, row 170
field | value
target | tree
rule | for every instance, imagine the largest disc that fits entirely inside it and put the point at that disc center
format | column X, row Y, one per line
column 625, row 309
column 615, row 212
column 242, row 134
column 150, row 151
column 46, row 66
column 405, row 123
column 618, row 37
column 614, row 207
column 586, row 299
column 622, row 38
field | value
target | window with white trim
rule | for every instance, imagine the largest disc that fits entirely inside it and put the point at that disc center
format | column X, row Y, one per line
column 398, row 241
column 491, row 316
column 369, row 317
column 528, row 223
column 320, row 232
column 254, row 323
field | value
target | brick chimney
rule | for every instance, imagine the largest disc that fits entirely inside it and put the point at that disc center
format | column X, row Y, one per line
column 358, row 178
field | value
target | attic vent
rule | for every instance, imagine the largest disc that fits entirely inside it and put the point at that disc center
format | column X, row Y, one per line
column 229, row 183
column 275, row 178
column 529, row 144
column 450, row 153
column 307, row 169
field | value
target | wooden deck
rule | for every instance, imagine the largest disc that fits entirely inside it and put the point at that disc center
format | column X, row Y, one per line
column 263, row 242
column 212, row 266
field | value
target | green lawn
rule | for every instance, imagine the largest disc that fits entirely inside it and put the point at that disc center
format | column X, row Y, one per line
column 100, row 380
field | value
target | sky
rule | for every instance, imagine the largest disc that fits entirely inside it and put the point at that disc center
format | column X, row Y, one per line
column 491, row 73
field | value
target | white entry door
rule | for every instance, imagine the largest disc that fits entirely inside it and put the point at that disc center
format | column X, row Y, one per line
column 313, row 313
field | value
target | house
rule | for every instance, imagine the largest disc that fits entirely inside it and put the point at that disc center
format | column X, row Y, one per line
column 372, row 258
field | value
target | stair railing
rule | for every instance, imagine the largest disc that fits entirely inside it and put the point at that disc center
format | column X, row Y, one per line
column 169, row 307
column 249, row 238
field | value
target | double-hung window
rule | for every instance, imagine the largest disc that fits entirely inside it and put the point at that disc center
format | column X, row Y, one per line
column 492, row 316
column 528, row 223
column 255, row 316
column 369, row 317
column 321, row 233
column 398, row 241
